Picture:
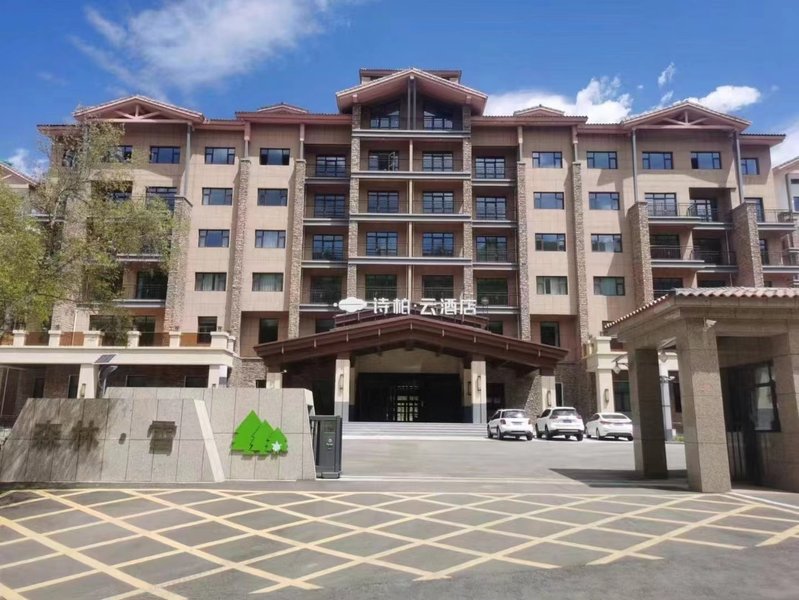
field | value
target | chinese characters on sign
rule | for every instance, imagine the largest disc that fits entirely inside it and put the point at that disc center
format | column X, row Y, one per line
column 428, row 306
column 46, row 435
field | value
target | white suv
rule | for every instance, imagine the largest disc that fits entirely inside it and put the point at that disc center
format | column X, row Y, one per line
column 510, row 422
column 562, row 420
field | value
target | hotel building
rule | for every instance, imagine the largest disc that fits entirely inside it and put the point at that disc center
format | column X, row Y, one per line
column 543, row 227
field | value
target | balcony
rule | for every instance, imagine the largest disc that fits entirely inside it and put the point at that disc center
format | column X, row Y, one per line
column 501, row 301
column 324, row 253
column 502, row 254
column 780, row 261
column 324, row 295
column 370, row 292
column 325, row 211
column 420, row 210
column 118, row 339
column 143, row 295
column 494, row 214
column 774, row 219
column 327, row 171
column 687, row 213
column 500, row 173
column 389, row 167
column 676, row 257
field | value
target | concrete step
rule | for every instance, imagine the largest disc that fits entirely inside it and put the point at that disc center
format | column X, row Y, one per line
column 368, row 429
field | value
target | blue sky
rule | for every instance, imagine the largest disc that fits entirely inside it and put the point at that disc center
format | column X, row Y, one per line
column 606, row 59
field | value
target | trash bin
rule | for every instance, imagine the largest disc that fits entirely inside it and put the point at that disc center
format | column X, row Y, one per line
column 327, row 445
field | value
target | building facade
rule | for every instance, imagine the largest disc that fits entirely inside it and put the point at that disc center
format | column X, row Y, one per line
column 547, row 226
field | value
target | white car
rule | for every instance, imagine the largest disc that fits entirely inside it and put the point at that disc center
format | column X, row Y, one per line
column 603, row 425
column 510, row 422
column 562, row 420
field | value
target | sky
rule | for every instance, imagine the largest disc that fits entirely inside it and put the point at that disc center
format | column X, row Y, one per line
column 607, row 59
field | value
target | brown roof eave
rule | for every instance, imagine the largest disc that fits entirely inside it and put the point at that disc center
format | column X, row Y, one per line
column 295, row 119
column 504, row 121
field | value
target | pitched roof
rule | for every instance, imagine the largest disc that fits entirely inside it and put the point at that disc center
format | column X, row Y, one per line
column 538, row 110
column 282, row 107
column 137, row 101
column 4, row 166
column 788, row 164
column 681, row 107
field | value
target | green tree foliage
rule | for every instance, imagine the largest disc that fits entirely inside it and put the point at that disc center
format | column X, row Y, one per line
column 62, row 242
column 243, row 436
column 254, row 436
column 260, row 441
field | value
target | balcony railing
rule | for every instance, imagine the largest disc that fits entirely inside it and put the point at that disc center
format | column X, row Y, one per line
column 328, row 170
column 418, row 165
column 495, row 255
column 775, row 215
column 688, row 209
column 437, row 293
column 495, row 171
column 319, row 252
column 327, row 210
column 152, row 291
column 780, row 259
column 438, row 250
column 369, row 292
column 115, row 339
column 714, row 257
column 500, row 298
column 494, row 213
column 325, row 295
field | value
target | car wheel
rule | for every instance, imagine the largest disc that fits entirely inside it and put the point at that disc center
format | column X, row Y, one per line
column 599, row 436
column 587, row 432
column 500, row 435
column 579, row 437
column 537, row 432
column 488, row 432
column 629, row 438
column 547, row 433
column 529, row 436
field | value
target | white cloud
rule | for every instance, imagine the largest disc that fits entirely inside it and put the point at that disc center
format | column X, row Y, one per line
column 788, row 149
column 188, row 44
column 667, row 75
column 729, row 98
column 22, row 161
column 666, row 98
column 601, row 101
column 51, row 78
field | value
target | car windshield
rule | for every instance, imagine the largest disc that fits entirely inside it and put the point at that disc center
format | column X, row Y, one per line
column 513, row 414
column 564, row 412
column 615, row 417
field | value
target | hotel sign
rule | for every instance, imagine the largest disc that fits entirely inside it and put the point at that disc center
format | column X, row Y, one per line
column 402, row 306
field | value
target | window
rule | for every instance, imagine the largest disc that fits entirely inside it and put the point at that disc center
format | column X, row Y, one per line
column 220, row 156
column 218, row 196
column 437, row 161
column 705, row 160
column 548, row 200
column 331, row 166
column 492, row 248
column 164, row 154
column 550, row 333
column 621, row 395
column 491, row 208
column 72, row 386
column 493, row 292
column 603, row 200
column 750, row 166
column 551, row 286
column 609, row 286
column 602, row 160
column 438, row 202
column 382, row 243
column 385, row 117
column 120, row 194
column 705, row 208
column 151, row 285
column 497, row 327
column 559, row 393
column 267, row 282
column 323, row 325
column 438, row 286
column 195, row 381
column 796, row 203
column 275, row 156
column 267, row 330
column 606, row 242
column 381, row 286
column 214, row 238
column 270, row 238
column 661, row 205
column 712, row 283
column 663, row 285
column 328, row 247
column 759, row 210
column 550, row 242
column 658, row 161
column 489, row 168
column 205, row 325
column 121, row 154
column 665, row 246
column 273, row 197
column 167, row 194
column 210, row 282
column 329, row 206
column 436, row 117
column 547, row 160
column 384, row 160
column 382, row 202
column 438, row 244
column 325, row 289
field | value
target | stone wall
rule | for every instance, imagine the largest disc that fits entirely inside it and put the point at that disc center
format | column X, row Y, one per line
column 297, row 237
column 246, row 371
column 176, row 282
column 578, row 216
column 638, row 216
column 522, row 239
column 746, row 242
column 238, row 243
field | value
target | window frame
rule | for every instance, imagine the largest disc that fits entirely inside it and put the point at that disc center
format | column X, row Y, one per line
column 495, row 248
column 265, row 153
column 259, row 279
column 541, row 242
column 745, row 161
column 203, row 235
column 646, row 160
column 338, row 202
column 496, row 215
column 545, row 285
column 218, row 281
column 327, row 246
column 279, row 235
column 490, row 167
column 540, row 197
column 557, row 159
column 382, row 243
column 264, row 193
column 172, row 151
column 433, row 200
column 617, row 282
column 697, row 155
column 209, row 192
column 612, row 159
column 615, row 243
column 382, row 202
column 438, row 243
column 272, row 325
column 541, row 326
column 211, row 155
column 594, row 198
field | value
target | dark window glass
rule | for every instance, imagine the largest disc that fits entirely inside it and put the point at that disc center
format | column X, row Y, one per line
column 550, row 333
column 164, row 154
column 331, row 166
column 492, row 248
column 384, row 160
column 437, row 161
column 603, row 200
column 220, row 156
column 210, row 282
column 492, row 292
column 123, row 153
column 609, row 286
column 602, row 160
column 657, row 161
column 273, row 197
column 438, row 286
column 705, row 160
column 705, row 209
column 436, row 117
column 381, row 243
column 550, row 242
column 663, row 285
column 330, row 206
column 491, row 208
column 552, row 286
column 325, row 289
column 267, row 330
column 214, row 238
column 438, row 244
column 382, row 202
column 497, row 327
column 151, row 285
column 205, row 325
column 270, row 238
column 547, row 160
column 385, row 117
column 548, row 200
column 167, row 194
column 381, row 286
column 328, row 247
column 267, row 282
column 662, row 205
column 218, row 196
column 489, row 168
column 750, row 166
column 760, row 212
column 323, row 325
column 606, row 242
column 438, row 202
column 275, row 156
column 621, row 395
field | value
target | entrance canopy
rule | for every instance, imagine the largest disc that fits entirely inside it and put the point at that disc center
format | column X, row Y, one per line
column 412, row 331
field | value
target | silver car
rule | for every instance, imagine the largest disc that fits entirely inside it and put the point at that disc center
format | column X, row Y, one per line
column 510, row 422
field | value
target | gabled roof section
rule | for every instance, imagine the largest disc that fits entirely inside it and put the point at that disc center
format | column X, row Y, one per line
column 282, row 107
column 139, row 109
column 395, row 84
column 788, row 165
column 540, row 110
column 10, row 175
column 685, row 115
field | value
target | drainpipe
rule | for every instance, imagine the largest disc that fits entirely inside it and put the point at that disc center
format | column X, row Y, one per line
column 635, row 167
column 738, row 176
column 247, row 135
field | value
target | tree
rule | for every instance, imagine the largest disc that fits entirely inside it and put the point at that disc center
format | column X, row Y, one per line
column 243, row 436
column 61, row 243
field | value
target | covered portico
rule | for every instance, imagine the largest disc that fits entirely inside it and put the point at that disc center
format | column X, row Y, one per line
column 738, row 354
column 409, row 367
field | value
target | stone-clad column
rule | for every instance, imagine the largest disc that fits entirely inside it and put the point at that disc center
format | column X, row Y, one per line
column 746, row 242
column 177, row 277
column 649, row 443
column 579, row 252
column 341, row 404
column 468, row 203
column 354, row 202
column 239, row 241
column 524, row 257
column 296, row 240
column 785, row 465
column 638, row 217
column 702, row 408
column 479, row 396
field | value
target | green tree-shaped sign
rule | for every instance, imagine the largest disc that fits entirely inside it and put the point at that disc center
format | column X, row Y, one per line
column 254, row 436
